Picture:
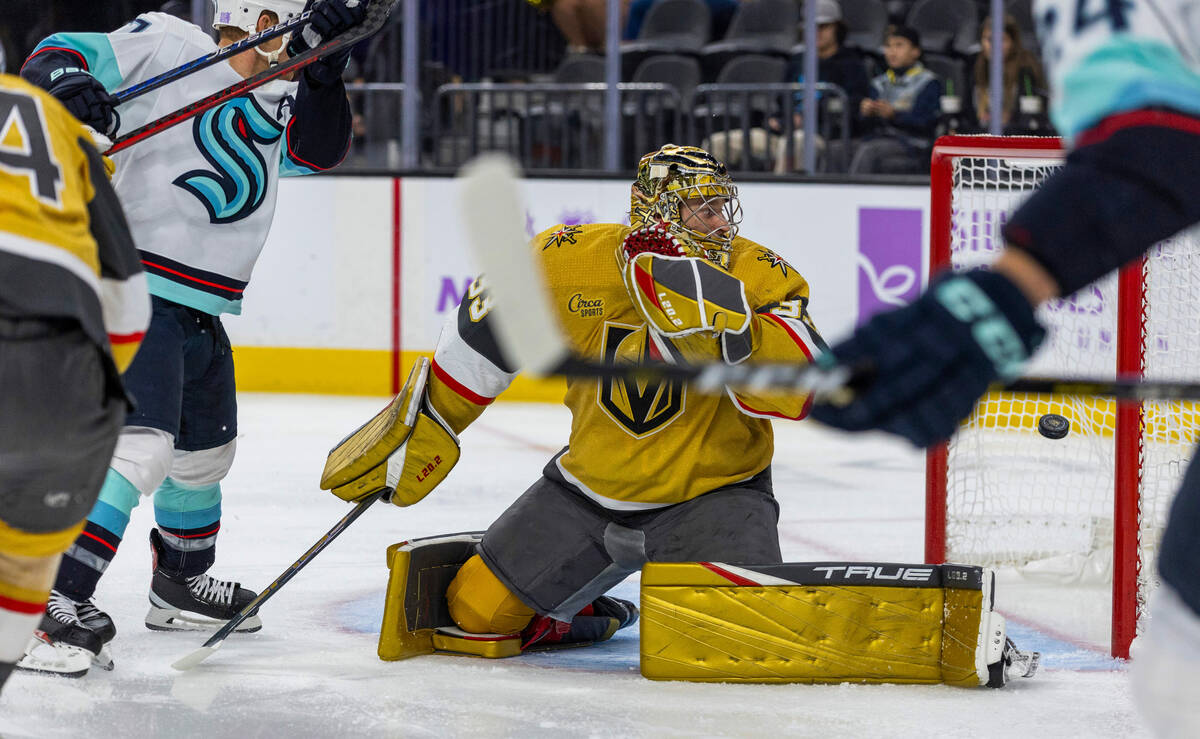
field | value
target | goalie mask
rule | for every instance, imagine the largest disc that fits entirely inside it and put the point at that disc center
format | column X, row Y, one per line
column 244, row 14
column 689, row 190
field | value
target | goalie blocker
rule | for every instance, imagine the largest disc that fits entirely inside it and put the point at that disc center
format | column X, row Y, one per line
column 828, row 622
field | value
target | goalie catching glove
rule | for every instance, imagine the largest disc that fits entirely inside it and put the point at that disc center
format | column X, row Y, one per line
column 406, row 448
column 699, row 307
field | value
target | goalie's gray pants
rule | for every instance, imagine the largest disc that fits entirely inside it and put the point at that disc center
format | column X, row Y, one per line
column 558, row 551
column 61, row 408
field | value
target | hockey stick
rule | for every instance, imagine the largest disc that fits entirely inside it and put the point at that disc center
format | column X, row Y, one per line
column 526, row 327
column 214, row 642
column 377, row 14
column 220, row 55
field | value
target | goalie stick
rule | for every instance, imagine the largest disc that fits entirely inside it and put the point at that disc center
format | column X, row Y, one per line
column 214, row 642
column 377, row 14
column 495, row 214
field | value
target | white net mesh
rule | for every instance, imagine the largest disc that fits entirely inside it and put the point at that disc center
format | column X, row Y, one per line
column 1015, row 498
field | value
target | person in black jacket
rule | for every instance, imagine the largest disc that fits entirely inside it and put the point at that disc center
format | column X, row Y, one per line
column 901, row 112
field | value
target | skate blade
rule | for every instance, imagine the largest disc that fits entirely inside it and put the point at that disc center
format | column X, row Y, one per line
column 104, row 659
column 50, row 671
column 45, row 657
column 169, row 619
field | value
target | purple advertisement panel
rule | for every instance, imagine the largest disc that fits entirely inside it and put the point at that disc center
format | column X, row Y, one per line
column 889, row 258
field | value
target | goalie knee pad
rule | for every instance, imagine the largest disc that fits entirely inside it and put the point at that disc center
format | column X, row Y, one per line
column 416, row 613
column 480, row 603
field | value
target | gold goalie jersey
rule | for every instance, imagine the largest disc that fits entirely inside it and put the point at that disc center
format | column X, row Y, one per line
column 65, row 249
column 635, row 445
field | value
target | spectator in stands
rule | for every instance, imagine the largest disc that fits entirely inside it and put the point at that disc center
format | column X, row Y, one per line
column 1024, row 83
column 836, row 65
column 720, row 10
column 581, row 22
column 900, row 114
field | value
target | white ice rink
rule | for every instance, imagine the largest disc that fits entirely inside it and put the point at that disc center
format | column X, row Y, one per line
column 312, row 670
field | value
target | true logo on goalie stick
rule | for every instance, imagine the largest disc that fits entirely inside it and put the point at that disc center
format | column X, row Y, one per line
column 229, row 137
column 875, row 572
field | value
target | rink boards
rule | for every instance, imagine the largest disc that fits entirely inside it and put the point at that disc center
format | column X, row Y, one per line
column 359, row 272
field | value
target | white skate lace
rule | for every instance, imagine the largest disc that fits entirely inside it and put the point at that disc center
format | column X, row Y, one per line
column 212, row 590
column 63, row 609
column 87, row 609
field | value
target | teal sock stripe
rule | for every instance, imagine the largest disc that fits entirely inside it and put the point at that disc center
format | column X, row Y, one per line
column 180, row 507
column 118, row 497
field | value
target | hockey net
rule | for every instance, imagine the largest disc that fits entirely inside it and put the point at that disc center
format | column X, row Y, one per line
column 1088, row 508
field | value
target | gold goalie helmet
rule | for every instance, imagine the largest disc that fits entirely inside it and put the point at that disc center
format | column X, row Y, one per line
column 689, row 190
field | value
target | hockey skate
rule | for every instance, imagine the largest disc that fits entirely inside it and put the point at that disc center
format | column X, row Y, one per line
column 195, row 603
column 597, row 622
column 66, row 644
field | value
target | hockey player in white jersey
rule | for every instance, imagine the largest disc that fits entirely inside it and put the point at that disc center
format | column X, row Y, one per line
column 1125, row 76
column 200, row 200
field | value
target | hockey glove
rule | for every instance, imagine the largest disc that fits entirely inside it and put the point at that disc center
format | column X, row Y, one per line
column 699, row 307
column 922, row 368
column 329, row 18
column 86, row 99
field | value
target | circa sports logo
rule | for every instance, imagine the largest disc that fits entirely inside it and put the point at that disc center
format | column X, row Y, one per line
column 586, row 307
column 229, row 137
column 639, row 406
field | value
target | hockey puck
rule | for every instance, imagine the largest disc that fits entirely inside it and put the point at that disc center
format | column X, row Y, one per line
column 1053, row 426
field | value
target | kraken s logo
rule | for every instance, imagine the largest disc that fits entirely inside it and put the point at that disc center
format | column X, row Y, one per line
column 639, row 406
column 229, row 137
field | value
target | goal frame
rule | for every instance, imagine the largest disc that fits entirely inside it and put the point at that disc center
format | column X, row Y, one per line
column 1130, row 321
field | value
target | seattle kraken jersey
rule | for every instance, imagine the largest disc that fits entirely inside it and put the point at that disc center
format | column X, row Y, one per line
column 200, row 196
column 1104, row 57
column 65, row 251
column 634, row 444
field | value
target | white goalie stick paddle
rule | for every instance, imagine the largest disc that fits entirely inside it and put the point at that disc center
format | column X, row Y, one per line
column 214, row 642
column 494, row 213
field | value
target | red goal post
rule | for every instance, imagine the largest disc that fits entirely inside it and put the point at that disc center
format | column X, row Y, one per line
column 1000, row 495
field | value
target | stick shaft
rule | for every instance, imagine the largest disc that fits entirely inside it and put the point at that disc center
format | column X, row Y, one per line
column 299, row 564
column 220, row 55
column 710, row 378
column 376, row 16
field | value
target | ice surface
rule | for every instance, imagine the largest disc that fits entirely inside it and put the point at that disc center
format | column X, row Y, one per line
column 312, row 670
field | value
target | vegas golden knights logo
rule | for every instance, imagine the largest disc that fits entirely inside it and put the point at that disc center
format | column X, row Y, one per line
column 640, row 406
